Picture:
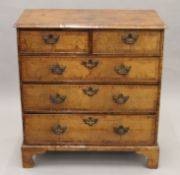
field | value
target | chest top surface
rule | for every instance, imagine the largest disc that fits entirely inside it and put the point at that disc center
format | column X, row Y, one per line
column 90, row 19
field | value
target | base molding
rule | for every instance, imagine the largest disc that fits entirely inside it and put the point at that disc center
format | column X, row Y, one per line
column 150, row 152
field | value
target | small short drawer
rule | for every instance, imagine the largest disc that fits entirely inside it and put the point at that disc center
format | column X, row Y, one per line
column 95, row 69
column 53, row 41
column 76, row 129
column 90, row 98
column 127, row 42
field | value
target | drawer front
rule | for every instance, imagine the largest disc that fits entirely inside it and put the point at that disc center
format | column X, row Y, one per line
column 53, row 41
column 90, row 129
column 90, row 69
column 127, row 42
column 92, row 98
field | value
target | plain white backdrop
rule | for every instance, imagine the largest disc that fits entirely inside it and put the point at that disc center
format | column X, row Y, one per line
column 88, row 163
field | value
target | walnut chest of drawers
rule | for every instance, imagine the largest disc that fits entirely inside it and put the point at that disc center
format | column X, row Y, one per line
column 90, row 81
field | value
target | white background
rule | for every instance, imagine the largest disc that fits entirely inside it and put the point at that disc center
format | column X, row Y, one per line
column 79, row 163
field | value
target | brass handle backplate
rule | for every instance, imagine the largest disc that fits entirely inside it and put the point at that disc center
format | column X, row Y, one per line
column 121, row 130
column 90, row 91
column 90, row 64
column 57, row 98
column 120, row 98
column 90, row 121
column 58, row 129
column 50, row 39
column 122, row 69
column 130, row 38
column 58, row 69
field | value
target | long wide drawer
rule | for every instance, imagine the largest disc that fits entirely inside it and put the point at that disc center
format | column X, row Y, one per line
column 92, row 98
column 127, row 42
column 90, row 129
column 42, row 68
column 53, row 41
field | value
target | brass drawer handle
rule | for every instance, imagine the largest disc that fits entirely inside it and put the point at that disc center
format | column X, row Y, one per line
column 58, row 69
column 90, row 121
column 90, row 91
column 121, row 130
column 120, row 99
column 58, row 129
column 57, row 98
column 90, row 64
column 51, row 39
column 130, row 38
column 122, row 69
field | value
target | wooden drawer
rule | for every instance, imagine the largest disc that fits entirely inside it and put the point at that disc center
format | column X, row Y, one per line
column 127, row 42
column 90, row 130
column 53, row 69
column 53, row 41
column 92, row 98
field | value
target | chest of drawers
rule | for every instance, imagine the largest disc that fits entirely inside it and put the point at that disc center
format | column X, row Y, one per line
column 90, row 81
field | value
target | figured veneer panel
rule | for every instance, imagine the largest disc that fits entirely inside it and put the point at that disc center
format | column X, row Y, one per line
column 64, row 98
column 127, row 42
column 45, row 41
column 118, row 69
column 90, row 19
column 107, row 130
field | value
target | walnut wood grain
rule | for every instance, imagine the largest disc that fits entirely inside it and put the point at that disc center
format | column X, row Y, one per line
column 70, row 106
column 38, row 129
column 151, row 152
column 39, row 69
column 141, row 98
column 90, row 19
column 27, row 155
column 152, row 156
column 111, row 42
column 68, row 41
